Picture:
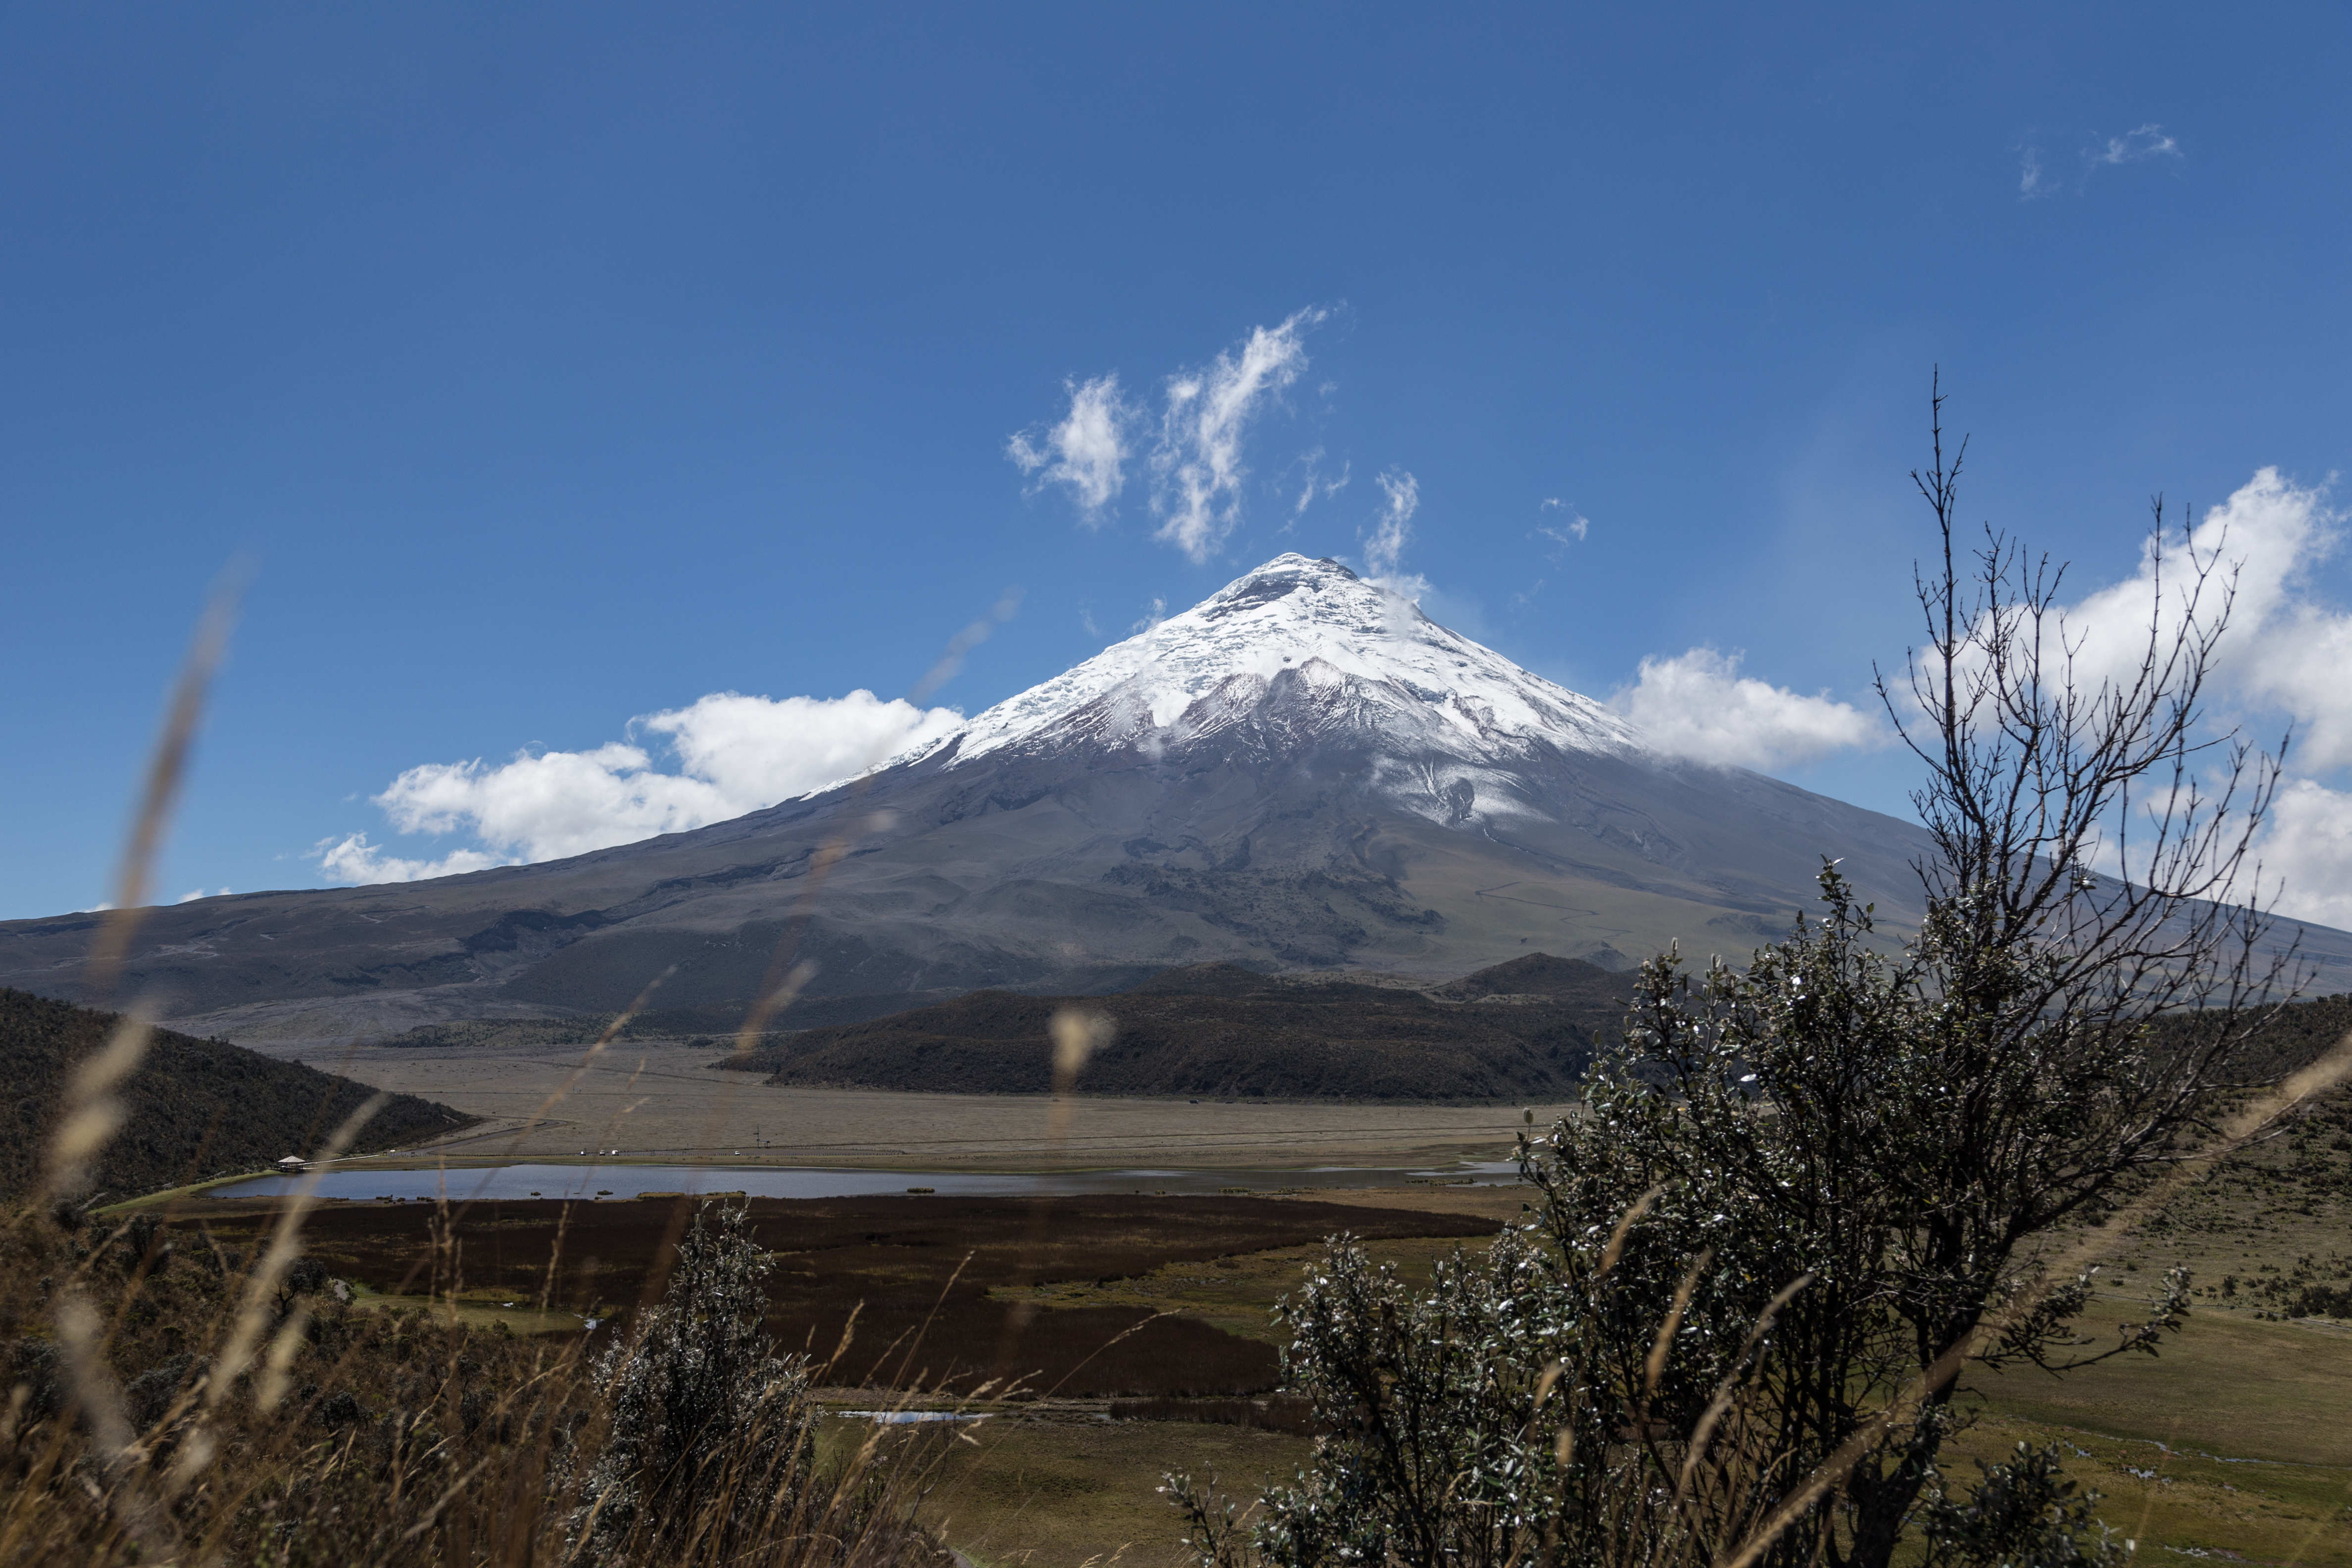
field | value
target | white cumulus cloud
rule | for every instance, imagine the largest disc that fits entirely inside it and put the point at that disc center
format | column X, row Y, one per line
column 1196, row 463
column 2308, row 848
column 1698, row 705
column 1085, row 453
column 2280, row 662
column 734, row 754
column 2284, row 649
column 353, row 861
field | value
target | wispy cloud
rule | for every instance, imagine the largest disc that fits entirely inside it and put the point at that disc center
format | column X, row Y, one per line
column 193, row 894
column 1572, row 528
column 1384, row 550
column 2141, row 144
column 1085, row 453
column 1196, row 463
column 1316, row 485
column 1698, row 705
column 734, row 754
column 1196, row 442
column 2033, row 181
column 1153, row 616
column 2137, row 146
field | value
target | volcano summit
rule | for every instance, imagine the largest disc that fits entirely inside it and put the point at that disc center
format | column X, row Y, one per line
column 1301, row 772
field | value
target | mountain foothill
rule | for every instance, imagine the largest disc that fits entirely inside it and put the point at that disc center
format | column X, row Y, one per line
column 192, row 1109
column 1523, row 1030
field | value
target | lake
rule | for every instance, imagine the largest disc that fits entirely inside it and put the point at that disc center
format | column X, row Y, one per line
column 629, row 1181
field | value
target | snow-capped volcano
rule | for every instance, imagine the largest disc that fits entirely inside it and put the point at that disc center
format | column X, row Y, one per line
column 1308, row 639
column 1301, row 771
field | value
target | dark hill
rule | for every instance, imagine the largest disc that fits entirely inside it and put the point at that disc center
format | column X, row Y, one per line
column 1207, row 980
column 1223, row 1030
column 1570, row 981
column 197, row 1107
column 2289, row 1035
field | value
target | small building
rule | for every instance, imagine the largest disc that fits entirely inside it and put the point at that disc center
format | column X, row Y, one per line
column 291, row 1163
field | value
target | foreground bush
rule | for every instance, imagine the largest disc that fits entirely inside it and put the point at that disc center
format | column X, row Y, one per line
column 1811, row 1193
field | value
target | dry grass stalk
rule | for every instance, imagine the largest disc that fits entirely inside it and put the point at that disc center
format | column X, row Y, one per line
column 323, row 1433
column 478, row 1453
column 785, row 979
column 167, row 768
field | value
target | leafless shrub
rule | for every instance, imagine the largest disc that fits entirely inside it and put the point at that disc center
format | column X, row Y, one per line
column 1811, row 1193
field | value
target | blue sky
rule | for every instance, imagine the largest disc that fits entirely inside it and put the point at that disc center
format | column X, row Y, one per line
column 560, row 366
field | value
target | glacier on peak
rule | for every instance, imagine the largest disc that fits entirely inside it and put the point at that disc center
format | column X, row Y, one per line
column 1359, row 652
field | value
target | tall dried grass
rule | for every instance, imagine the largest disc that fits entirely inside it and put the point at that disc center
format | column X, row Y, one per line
column 170, row 1403
column 199, row 1407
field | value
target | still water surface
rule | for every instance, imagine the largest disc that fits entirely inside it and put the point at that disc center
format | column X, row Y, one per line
column 539, row 1180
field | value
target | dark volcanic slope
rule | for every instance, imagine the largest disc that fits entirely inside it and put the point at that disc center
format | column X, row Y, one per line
column 1521, row 1030
column 197, row 1108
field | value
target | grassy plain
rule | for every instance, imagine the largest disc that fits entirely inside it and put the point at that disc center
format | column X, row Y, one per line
column 665, row 1104
column 1042, row 1494
column 2235, row 1443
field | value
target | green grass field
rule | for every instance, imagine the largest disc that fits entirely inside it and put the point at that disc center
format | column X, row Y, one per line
column 2234, row 1444
column 2237, row 1440
column 1040, row 1495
